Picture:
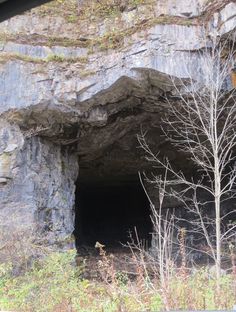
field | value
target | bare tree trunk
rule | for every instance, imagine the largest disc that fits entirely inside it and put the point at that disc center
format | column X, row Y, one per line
column 218, row 231
column 202, row 124
column 217, row 195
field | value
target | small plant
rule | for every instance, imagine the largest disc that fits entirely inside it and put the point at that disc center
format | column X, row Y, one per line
column 19, row 243
column 55, row 58
column 72, row 18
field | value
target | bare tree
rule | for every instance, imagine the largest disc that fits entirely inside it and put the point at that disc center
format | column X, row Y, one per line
column 162, row 231
column 157, row 262
column 202, row 124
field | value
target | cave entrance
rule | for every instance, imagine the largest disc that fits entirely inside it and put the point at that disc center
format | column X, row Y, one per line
column 109, row 211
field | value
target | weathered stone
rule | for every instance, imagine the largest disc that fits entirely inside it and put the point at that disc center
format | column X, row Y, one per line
column 41, row 185
column 68, row 105
column 186, row 8
column 5, row 165
column 3, row 180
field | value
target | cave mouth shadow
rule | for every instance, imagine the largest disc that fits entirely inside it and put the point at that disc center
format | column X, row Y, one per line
column 110, row 212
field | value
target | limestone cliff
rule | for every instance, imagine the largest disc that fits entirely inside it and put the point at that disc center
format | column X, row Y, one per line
column 76, row 84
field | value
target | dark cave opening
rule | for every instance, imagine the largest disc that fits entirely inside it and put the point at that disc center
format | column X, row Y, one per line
column 109, row 212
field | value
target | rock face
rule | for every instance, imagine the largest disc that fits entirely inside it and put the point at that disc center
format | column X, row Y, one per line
column 37, row 181
column 75, row 90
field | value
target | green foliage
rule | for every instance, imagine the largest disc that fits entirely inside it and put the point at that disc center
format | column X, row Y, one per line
column 156, row 302
column 118, row 33
column 101, row 9
column 93, row 13
column 90, row 9
column 55, row 283
column 55, row 58
column 198, row 291
column 72, row 18
column 60, row 58
column 47, row 284
column 4, row 57
column 122, row 278
column 63, row 59
column 5, row 273
column 63, row 8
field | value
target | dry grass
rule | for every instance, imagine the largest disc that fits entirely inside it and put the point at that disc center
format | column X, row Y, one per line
column 54, row 283
column 20, row 242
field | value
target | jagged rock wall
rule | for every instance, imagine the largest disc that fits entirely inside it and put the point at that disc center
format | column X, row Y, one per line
column 78, row 92
column 37, row 182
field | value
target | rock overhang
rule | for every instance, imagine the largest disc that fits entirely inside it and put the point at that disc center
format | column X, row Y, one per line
column 74, row 106
column 68, row 75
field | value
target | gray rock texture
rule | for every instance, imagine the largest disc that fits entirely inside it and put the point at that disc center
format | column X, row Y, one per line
column 37, row 182
column 75, row 90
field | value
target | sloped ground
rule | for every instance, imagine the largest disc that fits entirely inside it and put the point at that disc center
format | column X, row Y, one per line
column 76, row 87
column 55, row 284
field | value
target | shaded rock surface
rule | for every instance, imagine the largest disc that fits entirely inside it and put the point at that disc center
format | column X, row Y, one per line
column 37, row 181
column 77, row 93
